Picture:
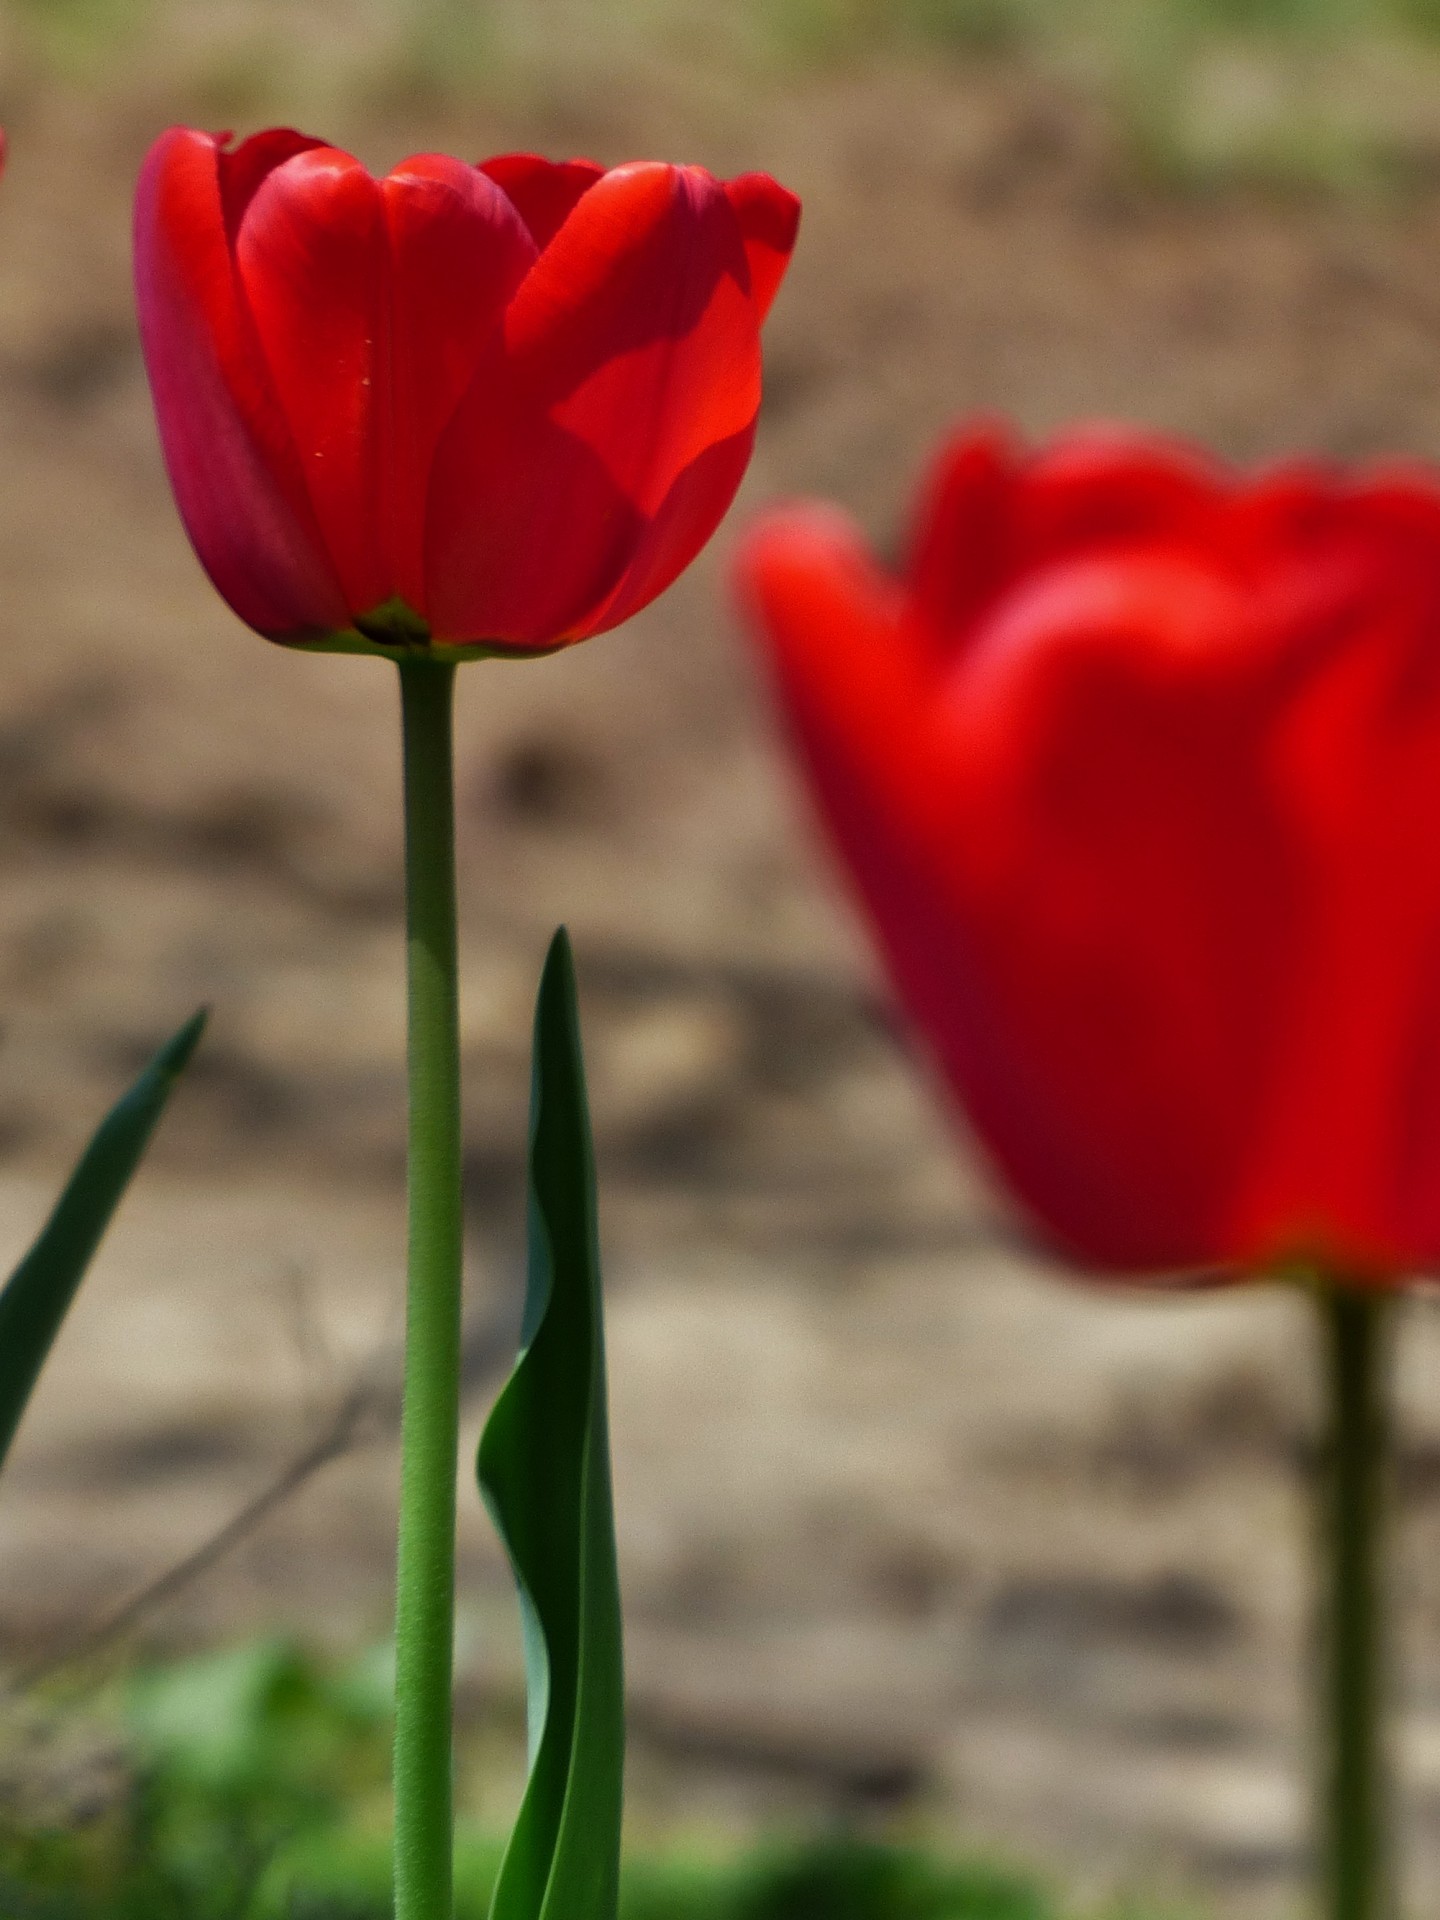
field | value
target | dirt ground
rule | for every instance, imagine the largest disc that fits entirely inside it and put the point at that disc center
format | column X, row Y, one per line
column 913, row 1530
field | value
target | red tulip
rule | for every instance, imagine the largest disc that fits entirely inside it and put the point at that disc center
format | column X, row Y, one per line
column 1138, row 773
column 496, row 407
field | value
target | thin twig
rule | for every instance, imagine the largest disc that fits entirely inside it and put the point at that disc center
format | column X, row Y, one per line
column 365, row 1398
column 372, row 1399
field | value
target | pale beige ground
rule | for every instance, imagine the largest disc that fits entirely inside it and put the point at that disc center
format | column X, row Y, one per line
column 911, row 1528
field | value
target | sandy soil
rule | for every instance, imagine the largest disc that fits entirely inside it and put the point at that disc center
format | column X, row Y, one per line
column 912, row 1529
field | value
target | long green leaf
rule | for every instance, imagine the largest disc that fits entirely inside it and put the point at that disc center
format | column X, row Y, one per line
column 38, row 1294
column 545, row 1474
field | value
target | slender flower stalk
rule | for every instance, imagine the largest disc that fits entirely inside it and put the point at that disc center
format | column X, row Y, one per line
column 1356, row 1866
column 425, row 1576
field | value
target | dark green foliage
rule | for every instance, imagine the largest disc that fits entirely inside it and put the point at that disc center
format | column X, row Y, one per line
column 545, row 1473
column 38, row 1294
column 235, row 1758
column 839, row 1878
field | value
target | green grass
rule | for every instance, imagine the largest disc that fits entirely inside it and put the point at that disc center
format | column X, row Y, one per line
column 253, row 1788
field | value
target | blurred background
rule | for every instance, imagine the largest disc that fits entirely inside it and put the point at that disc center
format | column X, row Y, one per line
column 919, row 1541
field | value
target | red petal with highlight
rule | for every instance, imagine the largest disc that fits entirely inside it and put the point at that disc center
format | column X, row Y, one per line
column 245, row 169
column 769, row 219
column 458, row 250
column 227, row 445
column 675, row 533
column 312, row 259
column 630, row 350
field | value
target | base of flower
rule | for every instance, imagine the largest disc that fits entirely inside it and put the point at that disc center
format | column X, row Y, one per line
column 394, row 631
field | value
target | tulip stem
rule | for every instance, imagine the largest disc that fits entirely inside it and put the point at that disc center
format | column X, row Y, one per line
column 425, row 1574
column 1355, row 1845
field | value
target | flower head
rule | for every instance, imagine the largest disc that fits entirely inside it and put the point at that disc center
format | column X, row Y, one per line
column 1138, row 773
column 485, row 408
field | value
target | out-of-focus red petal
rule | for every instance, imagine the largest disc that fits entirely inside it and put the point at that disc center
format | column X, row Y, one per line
column 1347, row 1142
column 861, row 704
column 312, row 258
column 1124, row 890
column 833, row 619
column 962, row 547
column 629, row 350
column 1100, row 484
column 543, row 192
column 458, row 250
column 856, row 696
column 769, row 217
column 227, row 445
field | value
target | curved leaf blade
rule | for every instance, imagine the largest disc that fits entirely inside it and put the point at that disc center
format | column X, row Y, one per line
column 544, row 1470
column 38, row 1294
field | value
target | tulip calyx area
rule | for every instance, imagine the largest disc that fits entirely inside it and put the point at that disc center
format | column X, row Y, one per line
column 394, row 631
column 393, row 624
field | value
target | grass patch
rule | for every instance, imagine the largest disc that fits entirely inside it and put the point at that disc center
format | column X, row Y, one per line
column 253, row 1787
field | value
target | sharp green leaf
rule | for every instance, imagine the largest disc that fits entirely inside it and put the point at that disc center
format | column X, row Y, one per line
column 545, row 1474
column 38, row 1294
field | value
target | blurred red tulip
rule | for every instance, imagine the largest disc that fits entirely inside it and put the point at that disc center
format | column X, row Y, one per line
column 499, row 406
column 1138, row 773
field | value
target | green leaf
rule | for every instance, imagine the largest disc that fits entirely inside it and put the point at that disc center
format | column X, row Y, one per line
column 545, row 1474
column 38, row 1294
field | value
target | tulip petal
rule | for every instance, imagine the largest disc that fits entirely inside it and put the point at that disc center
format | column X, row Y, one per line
column 244, row 171
column 961, row 550
column 851, row 687
column 227, row 446
column 1100, row 484
column 458, row 250
column 629, row 350
column 312, row 259
column 635, row 330
column 861, row 705
column 769, row 217
column 675, row 533
column 543, row 192
column 1129, row 893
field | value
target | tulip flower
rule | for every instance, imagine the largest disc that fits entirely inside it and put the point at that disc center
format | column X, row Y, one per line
column 1136, row 770
column 463, row 410
column 1138, row 774
column 491, row 408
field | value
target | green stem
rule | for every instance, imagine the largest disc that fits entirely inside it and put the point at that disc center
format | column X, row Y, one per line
column 425, row 1576
column 1353, row 1494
